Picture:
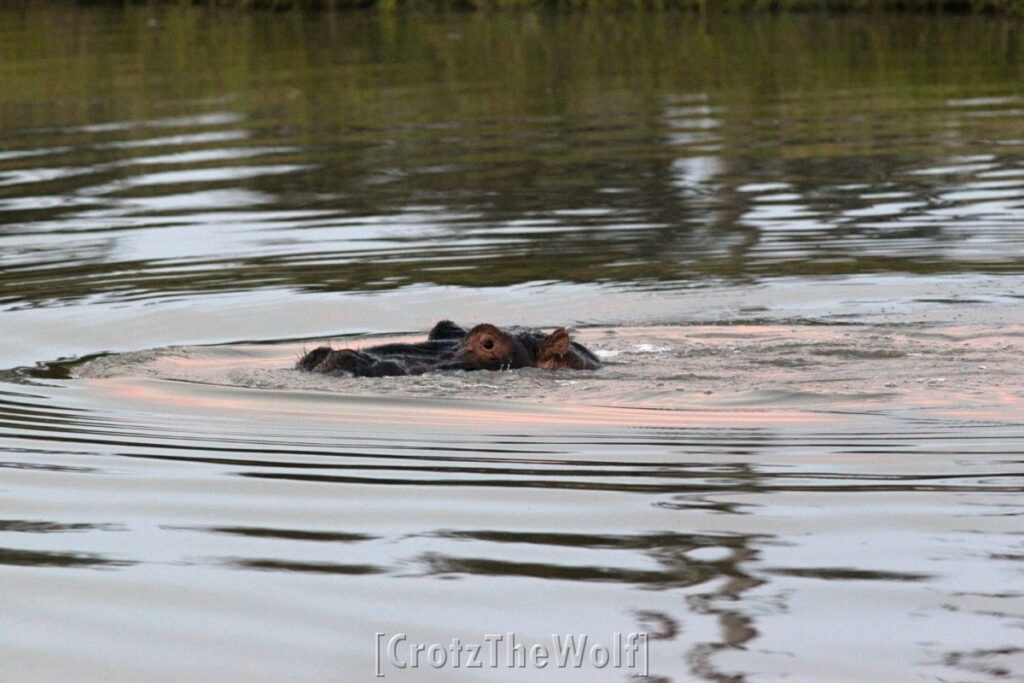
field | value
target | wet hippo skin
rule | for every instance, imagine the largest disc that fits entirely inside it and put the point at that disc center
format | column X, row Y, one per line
column 487, row 347
column 395, row 359
column 450, row 347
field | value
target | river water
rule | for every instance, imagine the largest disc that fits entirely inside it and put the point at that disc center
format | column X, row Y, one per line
column 795, row 241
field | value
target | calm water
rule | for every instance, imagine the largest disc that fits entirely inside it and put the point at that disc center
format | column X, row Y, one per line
column 796, row 242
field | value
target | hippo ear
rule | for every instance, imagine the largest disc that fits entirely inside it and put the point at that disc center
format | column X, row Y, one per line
column 556, row 344
column 446, row 329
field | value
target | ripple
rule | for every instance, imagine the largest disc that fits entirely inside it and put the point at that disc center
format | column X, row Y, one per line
column 801, row 265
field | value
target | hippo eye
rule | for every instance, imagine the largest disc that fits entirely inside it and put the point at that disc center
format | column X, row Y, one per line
column 488, row 344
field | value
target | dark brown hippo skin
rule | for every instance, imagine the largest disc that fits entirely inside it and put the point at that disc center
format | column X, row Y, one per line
column 387, row 359
column 450, row 347
column 487, row 347
column 363, row 364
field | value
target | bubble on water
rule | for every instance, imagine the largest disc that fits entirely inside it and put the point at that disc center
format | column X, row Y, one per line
column 649, row 348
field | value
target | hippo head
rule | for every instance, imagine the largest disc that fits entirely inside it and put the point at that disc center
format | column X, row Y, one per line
column 487, row 347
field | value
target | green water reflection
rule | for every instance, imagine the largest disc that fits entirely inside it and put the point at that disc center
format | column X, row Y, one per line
column 150, row 151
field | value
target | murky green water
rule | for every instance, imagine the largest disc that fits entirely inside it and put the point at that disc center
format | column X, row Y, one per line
column 796, row 241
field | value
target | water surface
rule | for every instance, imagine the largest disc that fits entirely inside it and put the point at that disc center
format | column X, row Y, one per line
column 794, row 241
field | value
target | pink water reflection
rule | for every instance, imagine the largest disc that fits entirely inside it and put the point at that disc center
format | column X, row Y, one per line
column 741, row 375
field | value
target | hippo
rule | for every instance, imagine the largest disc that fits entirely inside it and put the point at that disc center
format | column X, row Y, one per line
column 387, row 359
column 450, row 347
column 486, row 347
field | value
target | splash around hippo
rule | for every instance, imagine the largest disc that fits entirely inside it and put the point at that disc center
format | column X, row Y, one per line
column 450, row 347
